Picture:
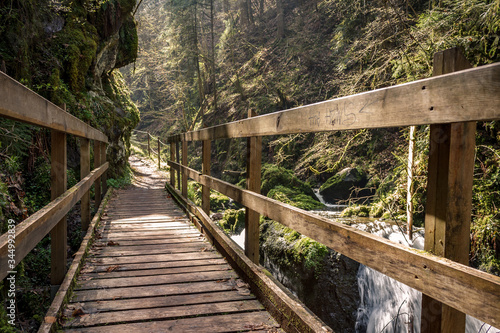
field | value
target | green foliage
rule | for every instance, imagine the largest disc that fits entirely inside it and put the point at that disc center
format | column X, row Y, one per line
column 485, row 245
column 194, row 192
column 218, row 201
column 123, row 181
column 38, row 189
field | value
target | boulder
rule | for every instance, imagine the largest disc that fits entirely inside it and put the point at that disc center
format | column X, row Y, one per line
column 340, row 186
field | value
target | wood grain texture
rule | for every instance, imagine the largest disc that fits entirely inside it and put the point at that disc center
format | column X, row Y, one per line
column 58, row 185
column 449, row 198
column 84, row 171
column 98, row 183
column 467, row 289
column 443, row 99
column 22, row 104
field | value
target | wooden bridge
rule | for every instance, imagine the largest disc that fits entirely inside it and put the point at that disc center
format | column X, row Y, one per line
column 146, row 265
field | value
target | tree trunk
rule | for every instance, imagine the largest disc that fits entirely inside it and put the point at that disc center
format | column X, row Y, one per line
column 214, row 81
column 280, row 19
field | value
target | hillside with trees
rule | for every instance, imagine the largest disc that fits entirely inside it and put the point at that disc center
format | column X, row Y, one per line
column 207, row 62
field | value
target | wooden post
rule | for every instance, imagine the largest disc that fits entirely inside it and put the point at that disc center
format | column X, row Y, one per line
column 159, row 154
column 184, row 162
column 205, row 169
column 97, row 183
column 177, row 156
column 252, row 218
column 172, row 158
column 449, row 198
column 409, row 187
column 84, row 171
column 104, row 178
column 58, row 235
column 149, row 147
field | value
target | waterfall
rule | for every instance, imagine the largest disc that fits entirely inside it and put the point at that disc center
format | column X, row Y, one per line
column 389, row 306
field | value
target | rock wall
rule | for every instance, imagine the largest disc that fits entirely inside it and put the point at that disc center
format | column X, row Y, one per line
column 68, row 51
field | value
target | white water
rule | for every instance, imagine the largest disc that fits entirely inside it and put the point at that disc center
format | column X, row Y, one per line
column 389, row 306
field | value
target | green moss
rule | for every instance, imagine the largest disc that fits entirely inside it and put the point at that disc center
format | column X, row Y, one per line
column 294, row 197
column 485, row 245
column 129, row 43
column 218, row 201
column 361, row 211
column 273, row 175
column 311, row 254
column 233, row 221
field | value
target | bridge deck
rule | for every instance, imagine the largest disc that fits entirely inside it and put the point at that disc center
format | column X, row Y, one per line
column 151, row 270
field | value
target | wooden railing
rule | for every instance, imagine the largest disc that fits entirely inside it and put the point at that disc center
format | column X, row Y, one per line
column 21, row 104
column 450, row 104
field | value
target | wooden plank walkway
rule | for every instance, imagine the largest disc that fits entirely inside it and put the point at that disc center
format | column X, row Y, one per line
column 150, row 270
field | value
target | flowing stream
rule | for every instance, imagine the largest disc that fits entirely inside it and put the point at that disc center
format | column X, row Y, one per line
column 386, row 305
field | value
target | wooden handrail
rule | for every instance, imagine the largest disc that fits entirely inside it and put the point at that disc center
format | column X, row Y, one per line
column 19, row 103
column 420, row 270
column 31, row 231
column 22, row 104
column 457, row 98
column 448, row 98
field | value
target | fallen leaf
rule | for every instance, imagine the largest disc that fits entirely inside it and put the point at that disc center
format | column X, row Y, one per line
column 112, row 268
column 50, row 320
column 111, row 243
column 78, row 312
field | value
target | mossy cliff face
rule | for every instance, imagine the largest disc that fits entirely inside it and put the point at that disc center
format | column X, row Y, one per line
column 67, row 52
column 321, row 278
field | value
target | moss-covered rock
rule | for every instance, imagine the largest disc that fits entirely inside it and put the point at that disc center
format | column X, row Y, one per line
column 294, row 197
column 233, row 221
column 361, row 211
column 340, row 186
column 322, row 278
column 281, row 184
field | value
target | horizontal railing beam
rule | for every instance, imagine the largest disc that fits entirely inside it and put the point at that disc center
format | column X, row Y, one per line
column 469, row 95
column 22, row 104
column 31, row 231
column 469, row 290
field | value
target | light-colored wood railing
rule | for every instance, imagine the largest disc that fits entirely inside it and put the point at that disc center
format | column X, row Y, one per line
column 451, row 104
column 21, row 104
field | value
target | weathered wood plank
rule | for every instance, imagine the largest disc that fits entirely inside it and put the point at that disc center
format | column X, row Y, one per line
column 98, row 183
column 131, row 251
column 172, row 157
column 184, row 162
column 154, row 258
column 241, row 322
column 252, row 218
column 447, row 281
column 443, row 99
column 84, row 171
column 161, row 241
column 157, row 302
column 118, row 272
column 181, row 264
column 22, row 104
column 158, row 290
column 165, row 313
column 206, row 155
column 136, row 281
column 31, row 231
column 449, row 198
column 58, row 185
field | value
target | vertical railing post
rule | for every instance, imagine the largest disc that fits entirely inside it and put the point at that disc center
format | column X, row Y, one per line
column 205, row 169
column 159, row 155
column 449, row 198
column 177, row 157
column 104, row 177
column 184, row 163
column 149, row 147
column 97, row 183
column 84, row 171
column 58, row 234
column 172, row 158
column 254, row 160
